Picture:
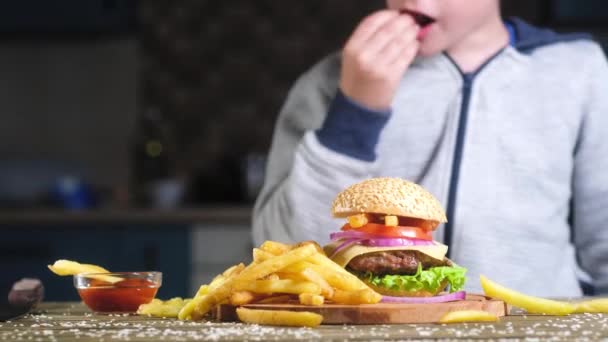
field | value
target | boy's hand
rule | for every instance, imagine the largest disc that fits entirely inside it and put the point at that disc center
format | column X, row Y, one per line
column 376, row 56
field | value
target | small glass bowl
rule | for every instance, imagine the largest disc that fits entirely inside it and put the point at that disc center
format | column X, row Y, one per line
column 120, row 292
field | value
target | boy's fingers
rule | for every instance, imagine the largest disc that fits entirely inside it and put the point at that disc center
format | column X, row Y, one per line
column 401, row 44
column 406, row 57
column 368, row 27
column 385, row 36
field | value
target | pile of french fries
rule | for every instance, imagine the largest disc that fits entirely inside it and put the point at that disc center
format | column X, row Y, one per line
column 281, row 273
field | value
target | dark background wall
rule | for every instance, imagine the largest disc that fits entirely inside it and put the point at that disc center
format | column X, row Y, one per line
column 214, row 76
column 188, row 94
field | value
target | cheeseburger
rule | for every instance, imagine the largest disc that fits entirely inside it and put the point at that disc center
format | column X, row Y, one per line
column 387, row 241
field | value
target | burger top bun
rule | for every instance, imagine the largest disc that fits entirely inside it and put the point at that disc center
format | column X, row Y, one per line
column 389, row 196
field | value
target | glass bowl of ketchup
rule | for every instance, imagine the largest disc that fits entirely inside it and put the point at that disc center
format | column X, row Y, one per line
column 117, row 292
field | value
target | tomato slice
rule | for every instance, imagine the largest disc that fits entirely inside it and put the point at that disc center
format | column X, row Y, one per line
column 391, row 232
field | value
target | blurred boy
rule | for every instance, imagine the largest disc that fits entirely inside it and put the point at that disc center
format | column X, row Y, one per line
column 505, row 123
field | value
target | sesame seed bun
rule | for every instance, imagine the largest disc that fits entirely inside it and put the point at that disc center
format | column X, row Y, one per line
column 389, row 196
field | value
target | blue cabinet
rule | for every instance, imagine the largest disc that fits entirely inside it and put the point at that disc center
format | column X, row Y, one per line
column 25, row 251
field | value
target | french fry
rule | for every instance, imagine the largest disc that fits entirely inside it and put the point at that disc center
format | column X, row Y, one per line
column 260, row 255
column 340, row 280
column 279, row 286
column 239, row 298
column 275, row 248
column 203, row 290
column 326, row 290
column 363, row 296
column 290, row 275
column 599, row 305
column 188, row 311
column 234, row 280
column 166, row 309
column 465, row 316
column 275, row 299
column 218, row 291
column 534, row 305
column 236, row 269
column 313, row 243
column 68, row 268
column 297, row 267
column 263, row 269
column 311, row 299
column 335, row 275
column 279, row 318
column 273, row 276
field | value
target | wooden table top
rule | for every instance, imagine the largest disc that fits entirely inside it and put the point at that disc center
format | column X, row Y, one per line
column 72, row 321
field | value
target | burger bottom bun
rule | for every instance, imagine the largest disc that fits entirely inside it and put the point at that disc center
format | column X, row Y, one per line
column 394, row 293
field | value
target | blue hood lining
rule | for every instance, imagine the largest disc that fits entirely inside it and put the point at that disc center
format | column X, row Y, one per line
column 526, row 37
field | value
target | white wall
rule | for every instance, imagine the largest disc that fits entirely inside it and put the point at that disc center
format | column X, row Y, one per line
column 70, row 99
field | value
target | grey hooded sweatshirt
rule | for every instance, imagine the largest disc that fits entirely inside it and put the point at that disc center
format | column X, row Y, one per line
column 516, row 152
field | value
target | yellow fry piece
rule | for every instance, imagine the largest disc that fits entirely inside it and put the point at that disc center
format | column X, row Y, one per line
column 339, row 280
column 311, row 299
column 221, row 278
column 326, row 290
column 280, row 286
column 273, row 276
column 279, row 318
column 391, row 221
column 274, row 299
column 534, row 305
column 363, row 296
column 220, row 294
column 291, row 276
column 465, row 316
column 313, row 243
column 236, row 269
column 70, row 268
column 275, row 248
column 188, row 312
column 166, row 309
column 216, row 292
column 203, row 290
column 239, row 298
column 599, row 305
column 263, row 269
column 335, row 275
column 358, row 221
column 260, row 255
column 297, row 267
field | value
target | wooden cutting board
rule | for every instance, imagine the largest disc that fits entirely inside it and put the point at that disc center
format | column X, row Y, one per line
column 382, row 313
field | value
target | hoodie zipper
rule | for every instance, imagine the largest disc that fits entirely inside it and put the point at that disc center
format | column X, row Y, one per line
column 468, row 80
column 467, row 87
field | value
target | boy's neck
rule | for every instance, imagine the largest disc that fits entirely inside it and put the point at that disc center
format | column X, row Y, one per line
column 471, row 53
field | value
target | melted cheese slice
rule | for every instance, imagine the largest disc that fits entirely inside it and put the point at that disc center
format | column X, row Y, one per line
column 438, row 251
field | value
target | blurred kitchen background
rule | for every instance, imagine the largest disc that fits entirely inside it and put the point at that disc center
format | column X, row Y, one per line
column 134, row 133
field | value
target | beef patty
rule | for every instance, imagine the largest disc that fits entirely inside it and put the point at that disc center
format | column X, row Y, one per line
column 394, row 262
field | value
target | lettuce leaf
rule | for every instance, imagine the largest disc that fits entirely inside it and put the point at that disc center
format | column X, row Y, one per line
column 429, row 280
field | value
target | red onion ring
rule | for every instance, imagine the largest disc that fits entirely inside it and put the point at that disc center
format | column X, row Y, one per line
column 452, row 297
column 379, row 241
column 395, row 242
column 345, row 244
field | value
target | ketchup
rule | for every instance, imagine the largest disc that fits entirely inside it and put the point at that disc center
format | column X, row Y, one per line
column 124, row 296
